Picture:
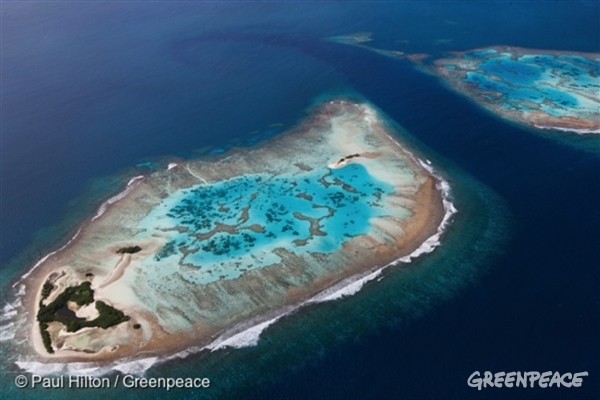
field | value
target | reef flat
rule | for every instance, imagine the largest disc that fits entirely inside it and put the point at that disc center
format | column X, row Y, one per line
column 539, row 88
column 185, row 254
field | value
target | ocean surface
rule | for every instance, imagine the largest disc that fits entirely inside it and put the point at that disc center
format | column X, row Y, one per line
column 93, row 93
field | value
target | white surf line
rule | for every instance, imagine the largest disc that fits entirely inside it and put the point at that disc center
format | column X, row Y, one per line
column 133, row 182
column 246, row 338
column 101, row 210
column 571, row 130
column 41, row 261
column 187, row 166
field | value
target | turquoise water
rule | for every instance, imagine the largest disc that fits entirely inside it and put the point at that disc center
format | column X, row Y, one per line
column 557, row 84
column 512, row 72
column 233, row 226
column 514, row 95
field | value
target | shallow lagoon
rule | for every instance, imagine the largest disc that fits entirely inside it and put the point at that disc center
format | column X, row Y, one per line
column 527, row 80
column 550, row 90
column 226, row 228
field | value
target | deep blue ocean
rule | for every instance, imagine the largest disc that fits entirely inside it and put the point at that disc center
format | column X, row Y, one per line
column 92, row 91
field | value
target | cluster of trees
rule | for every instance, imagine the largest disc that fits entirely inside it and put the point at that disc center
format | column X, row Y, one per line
column 46, row 290
column 82, row 295
column 349, row 157
column 109, row 316
column 129, row 250
column 46, row 337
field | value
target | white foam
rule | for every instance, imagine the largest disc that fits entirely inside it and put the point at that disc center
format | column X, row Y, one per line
column 7, row 314
column 9, row 307
column 133, row 182
column 136, row 367
column 38, row 368
column 347, row 287
column 21, row 290
column 9, row 317
column 572, row 130
column 40, row 262
column 7, row 331
column 172, row 165
column 246, row 338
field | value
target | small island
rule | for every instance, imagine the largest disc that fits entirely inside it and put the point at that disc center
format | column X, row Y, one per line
column 129, row 250
column 186, row 254
column 543, row 89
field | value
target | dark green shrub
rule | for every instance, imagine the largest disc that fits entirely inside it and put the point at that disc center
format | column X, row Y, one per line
column 129, row 250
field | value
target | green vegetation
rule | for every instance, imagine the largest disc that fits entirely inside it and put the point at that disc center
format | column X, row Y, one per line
column 59, row 312
column 46, row 290
column 82, row 295
column 109, row 316
column 348, row 157
column 136, row 326
column 46, row 337
column 129, row 250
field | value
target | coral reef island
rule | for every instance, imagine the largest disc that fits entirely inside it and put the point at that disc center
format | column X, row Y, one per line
column 185, row 254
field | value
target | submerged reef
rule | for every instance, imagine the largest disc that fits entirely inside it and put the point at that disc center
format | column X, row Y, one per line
column 183, row 255
column 360, row 38
column 543, row 89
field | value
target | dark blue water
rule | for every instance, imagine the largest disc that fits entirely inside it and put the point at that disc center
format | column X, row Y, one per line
column 90, row 90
